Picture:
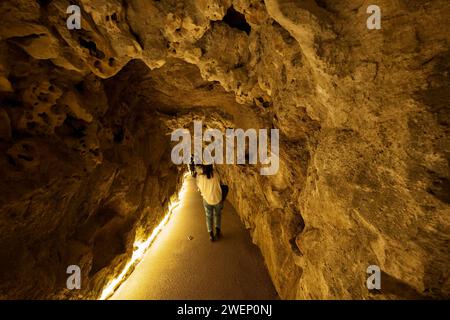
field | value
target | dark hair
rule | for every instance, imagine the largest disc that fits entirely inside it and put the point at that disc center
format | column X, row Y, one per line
column 208, row 170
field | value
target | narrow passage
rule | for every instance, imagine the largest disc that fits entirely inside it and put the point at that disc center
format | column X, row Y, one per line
column 183, row 264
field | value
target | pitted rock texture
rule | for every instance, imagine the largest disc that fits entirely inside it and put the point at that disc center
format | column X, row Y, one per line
column 86, row 116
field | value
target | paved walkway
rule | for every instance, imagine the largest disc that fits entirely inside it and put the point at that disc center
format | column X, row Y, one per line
column 176, row 267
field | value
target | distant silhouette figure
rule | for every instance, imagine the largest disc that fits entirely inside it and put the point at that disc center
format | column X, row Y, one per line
column 192, row 166
column 208, row 183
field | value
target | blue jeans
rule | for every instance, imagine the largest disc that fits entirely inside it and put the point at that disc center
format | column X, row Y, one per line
column 213, row 215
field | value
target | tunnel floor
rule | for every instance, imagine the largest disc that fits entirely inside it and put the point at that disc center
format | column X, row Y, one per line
column 176, row 267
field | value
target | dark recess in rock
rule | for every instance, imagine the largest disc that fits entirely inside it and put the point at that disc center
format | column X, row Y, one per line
column 236, row 20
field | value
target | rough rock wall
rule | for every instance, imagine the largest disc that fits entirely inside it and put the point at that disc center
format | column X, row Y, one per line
column 363, row 117
column 84, row 175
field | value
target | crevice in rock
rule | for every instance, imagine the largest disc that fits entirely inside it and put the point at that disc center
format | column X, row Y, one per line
column 236, row 20
column 92, row 47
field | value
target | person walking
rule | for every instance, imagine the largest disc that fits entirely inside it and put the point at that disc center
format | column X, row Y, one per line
column 192, row 166
column 208, row 182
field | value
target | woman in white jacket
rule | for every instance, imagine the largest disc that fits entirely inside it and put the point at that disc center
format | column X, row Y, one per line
column 208, row 182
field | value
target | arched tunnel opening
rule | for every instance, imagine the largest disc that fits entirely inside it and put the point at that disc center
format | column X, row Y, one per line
column 175, row 97
column 90, row 186
column 125, row 185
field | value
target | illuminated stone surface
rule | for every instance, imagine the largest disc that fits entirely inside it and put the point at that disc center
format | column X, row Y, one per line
column 364, row 137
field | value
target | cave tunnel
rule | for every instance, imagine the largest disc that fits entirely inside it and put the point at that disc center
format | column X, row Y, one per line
column 90, row 187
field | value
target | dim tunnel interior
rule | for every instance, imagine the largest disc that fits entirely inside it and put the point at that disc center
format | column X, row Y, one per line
column 234, row 267
column 87, row 178
column 141, row 109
